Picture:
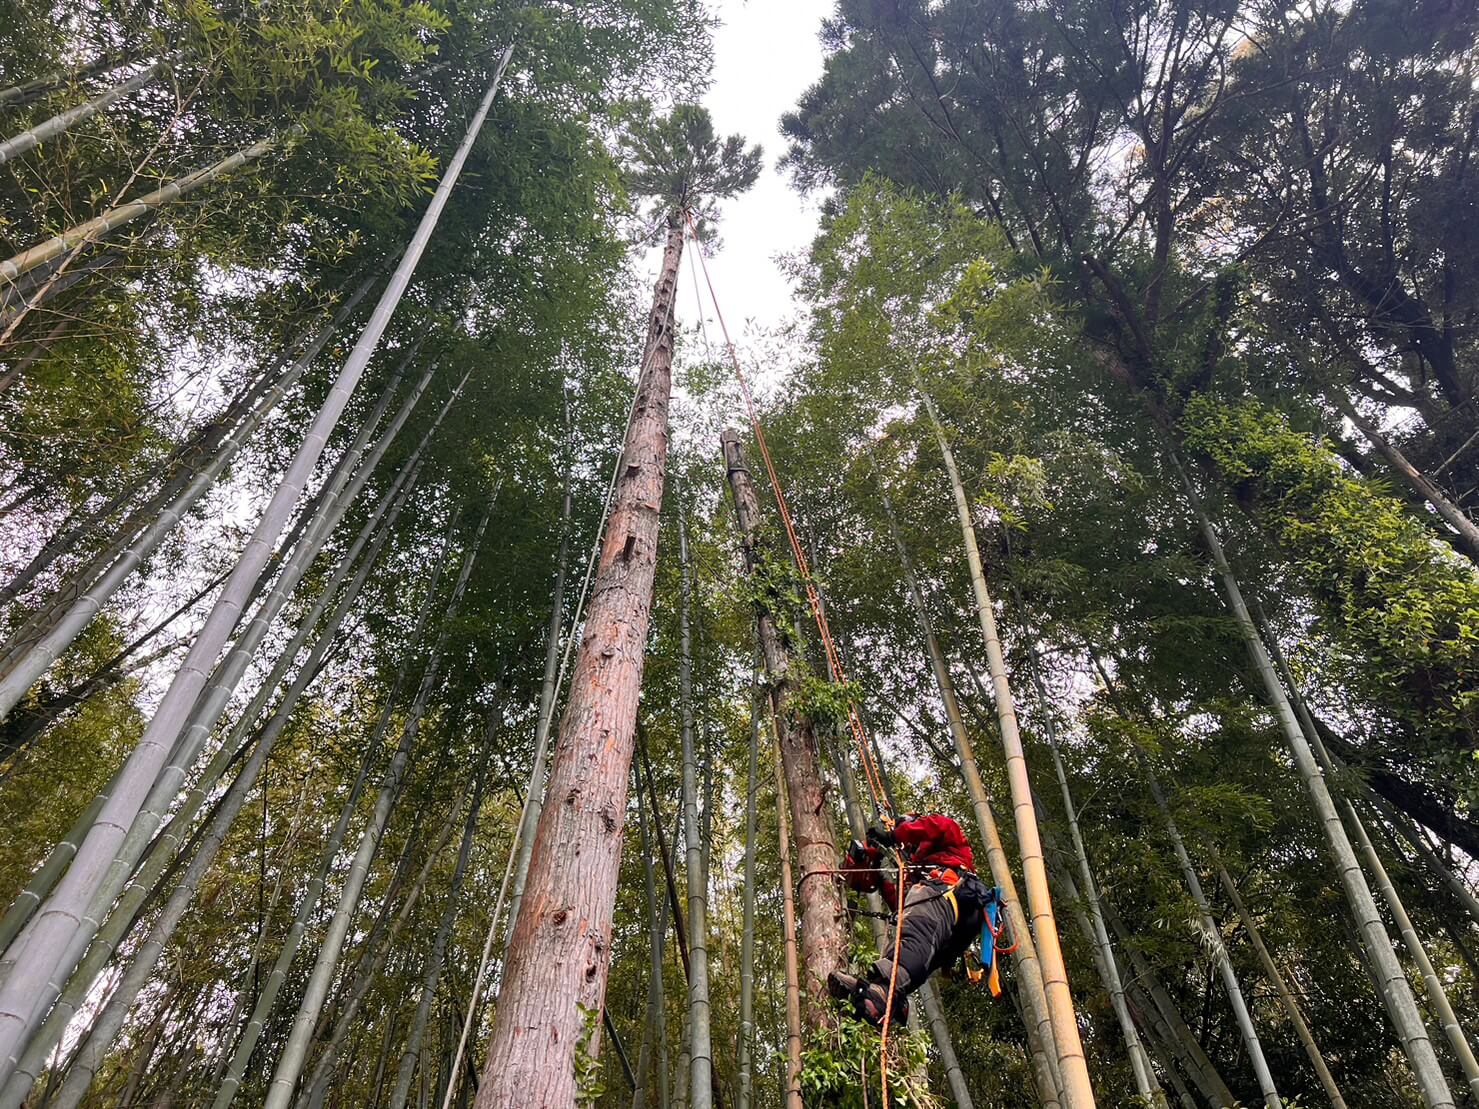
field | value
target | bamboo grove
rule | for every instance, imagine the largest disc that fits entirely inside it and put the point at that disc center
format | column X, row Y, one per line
column 439, row 669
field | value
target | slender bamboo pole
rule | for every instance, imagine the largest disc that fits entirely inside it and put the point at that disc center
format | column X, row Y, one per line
column 655, row 929
column 534, row 802
column 38, row 643
column 1212, row 940
column 1395, row 990
column 21, row 1009
column 1041, row 1049
column 1077, row 1090
column 378, row 947
column 1415, row 479
column 1145, row 1081
column 700, row 1059
column 115, row 928
column 434, row 960
column 1408, row 831
column 1281, row 987
column 290, row 1062
column 1437, row 995
column 788, row 942
column 747, row 912
column 14, row 147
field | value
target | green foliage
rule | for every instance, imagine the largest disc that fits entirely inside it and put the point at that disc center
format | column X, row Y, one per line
column 1384, row 585
column 678, row 160
column 588, row 1084
column 841, row 1072
column 822, row 701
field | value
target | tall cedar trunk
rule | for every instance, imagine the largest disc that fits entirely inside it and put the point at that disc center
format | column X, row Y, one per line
column 700, row 1060
column 788, row 942
column 58, row 124
column 51, row 952
column 560, row 950
column 1077, row 1090
column 1392, row 984
column 823, row 934
column 1145, row 1081
column 290, row 1063
column 1281, row 987
column 118, row 923
column 1042, row 1053
column 747, row 911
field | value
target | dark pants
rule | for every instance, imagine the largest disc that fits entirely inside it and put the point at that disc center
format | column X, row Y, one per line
column 933, row 936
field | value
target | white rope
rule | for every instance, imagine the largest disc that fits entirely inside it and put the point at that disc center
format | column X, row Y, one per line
column 544, row 724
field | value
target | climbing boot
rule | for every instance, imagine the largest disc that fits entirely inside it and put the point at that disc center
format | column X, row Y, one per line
column 869, row 998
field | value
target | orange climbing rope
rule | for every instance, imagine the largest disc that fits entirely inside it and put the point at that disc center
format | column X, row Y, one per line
column 835, row 669
column 813, row 596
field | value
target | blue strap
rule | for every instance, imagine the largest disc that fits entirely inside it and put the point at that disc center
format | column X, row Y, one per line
column 990, row 925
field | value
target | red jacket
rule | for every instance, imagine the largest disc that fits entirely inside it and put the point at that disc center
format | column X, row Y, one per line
column 931, row 840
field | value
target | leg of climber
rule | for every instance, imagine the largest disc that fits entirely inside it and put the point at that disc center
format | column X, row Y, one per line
column 926, row 931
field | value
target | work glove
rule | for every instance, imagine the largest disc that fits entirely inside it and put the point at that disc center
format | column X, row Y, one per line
column 882, row 837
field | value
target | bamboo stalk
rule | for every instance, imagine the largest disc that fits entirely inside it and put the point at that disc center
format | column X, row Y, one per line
column 1042, row 1051
column 14, row 147
column 747, row 926
column 290, row 1062
column 51, row 944
column 1077, row 1090
column 1281, row 987
column 1098, row 934
column 115, row 928
column 700, row 1048
column 1393, row 987
column 788, row 943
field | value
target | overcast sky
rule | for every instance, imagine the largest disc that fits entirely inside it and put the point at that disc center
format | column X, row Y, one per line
column 765, row 55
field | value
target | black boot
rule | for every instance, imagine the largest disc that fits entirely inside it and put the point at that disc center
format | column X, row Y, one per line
column 869, row 997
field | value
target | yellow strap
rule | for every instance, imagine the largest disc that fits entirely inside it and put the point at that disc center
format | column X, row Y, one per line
column 955, row 905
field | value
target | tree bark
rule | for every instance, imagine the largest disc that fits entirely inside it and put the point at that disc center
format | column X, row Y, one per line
column 823, row 935
column 1078, row 1092
column 560, row 949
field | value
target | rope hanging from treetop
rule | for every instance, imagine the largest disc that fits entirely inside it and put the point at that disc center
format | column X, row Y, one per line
column 835, row 668
column 813, row 596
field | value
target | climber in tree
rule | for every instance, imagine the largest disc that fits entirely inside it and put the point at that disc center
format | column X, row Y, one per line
column 944, row 907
